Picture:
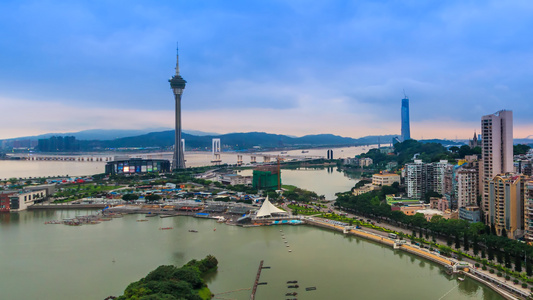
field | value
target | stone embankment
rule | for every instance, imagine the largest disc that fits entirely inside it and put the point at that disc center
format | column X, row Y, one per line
column 503, row 288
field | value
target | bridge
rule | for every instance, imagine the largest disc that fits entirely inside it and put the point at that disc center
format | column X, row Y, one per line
column 39, row 157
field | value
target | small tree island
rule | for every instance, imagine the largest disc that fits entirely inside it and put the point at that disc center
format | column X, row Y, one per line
column 171, row 282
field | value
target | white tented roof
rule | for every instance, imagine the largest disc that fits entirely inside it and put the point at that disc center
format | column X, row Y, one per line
column 267, row 209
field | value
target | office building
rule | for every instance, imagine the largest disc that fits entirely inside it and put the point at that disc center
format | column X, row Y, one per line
column 497, row 151
column 406, row 129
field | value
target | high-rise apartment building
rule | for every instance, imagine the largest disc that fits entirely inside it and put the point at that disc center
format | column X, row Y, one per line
column 466, row 190
column 528, row 211
column 497, row 151
column 406, row 128
column 424, row 177
column 506, row 203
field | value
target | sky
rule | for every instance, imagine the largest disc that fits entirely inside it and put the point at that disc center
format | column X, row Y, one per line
column 286, row 67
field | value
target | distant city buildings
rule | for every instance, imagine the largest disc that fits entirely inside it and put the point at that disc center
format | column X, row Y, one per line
column 365, row 162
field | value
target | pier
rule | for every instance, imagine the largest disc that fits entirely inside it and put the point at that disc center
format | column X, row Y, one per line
column 256, row 283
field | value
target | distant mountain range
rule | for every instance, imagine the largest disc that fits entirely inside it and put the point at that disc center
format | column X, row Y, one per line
column 241, row 141
column 106, row 134
column 98, row 139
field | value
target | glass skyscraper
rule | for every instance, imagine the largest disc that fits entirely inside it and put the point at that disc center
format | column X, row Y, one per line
column 406, row 130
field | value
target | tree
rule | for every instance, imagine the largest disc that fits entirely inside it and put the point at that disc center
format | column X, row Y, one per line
column 130, row 197
column 520, row 149
column 475, row 245
column 507, row 260
column 152, row 197
column 457, row 242
column 517, row 263
column 490, row 253
column 499, row 256
column 454, row 149
column 465, row 242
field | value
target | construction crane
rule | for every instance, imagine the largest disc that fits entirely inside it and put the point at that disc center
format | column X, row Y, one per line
column 279, row 159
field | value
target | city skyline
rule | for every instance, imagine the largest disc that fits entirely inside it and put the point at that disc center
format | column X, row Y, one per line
column 288, row 68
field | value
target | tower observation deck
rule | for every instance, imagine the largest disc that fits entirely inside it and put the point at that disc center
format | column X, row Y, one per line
column 177, row 84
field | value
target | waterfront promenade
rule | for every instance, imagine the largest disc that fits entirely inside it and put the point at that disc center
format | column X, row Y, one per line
column 498, row 284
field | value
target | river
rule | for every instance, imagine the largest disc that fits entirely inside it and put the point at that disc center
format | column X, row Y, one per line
column 29, row 168
column 57, row 262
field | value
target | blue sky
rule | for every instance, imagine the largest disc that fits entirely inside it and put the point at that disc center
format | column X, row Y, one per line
column 291, row 67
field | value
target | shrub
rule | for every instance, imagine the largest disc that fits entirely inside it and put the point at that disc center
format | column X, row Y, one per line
column 491, row 271
column 499, row 274
column 524, row 285
column 507, row 277
column 515, row 281
column 477, row 265
column 484, row 268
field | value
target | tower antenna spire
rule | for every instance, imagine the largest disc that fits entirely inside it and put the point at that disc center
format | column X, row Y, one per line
column 177, row 59
column 404, row 94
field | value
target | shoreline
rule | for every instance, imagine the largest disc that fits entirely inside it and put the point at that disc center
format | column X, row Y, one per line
column 451, row 264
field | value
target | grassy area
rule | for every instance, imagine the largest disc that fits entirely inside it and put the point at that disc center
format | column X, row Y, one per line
column 204, row 293
column 302, row 210
column 289, row 188
column 77, row 191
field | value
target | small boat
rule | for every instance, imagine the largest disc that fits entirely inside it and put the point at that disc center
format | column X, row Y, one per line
column 214, row 229
column 166, row 216
column 291, row 294
column 142, row 220
column 305, row 151
column 292, row 281
column 151, row 215
column 192, row 230
column 461, row 278
column 311, row 288
column 295, row 286
column 165, row 228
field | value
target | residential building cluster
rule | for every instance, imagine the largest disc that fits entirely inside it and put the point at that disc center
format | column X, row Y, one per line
column 495, row 187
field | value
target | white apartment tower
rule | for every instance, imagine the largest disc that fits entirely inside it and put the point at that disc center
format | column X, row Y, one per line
column 497, row 151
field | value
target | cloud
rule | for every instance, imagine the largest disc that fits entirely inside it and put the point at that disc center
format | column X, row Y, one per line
column 334, row 66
